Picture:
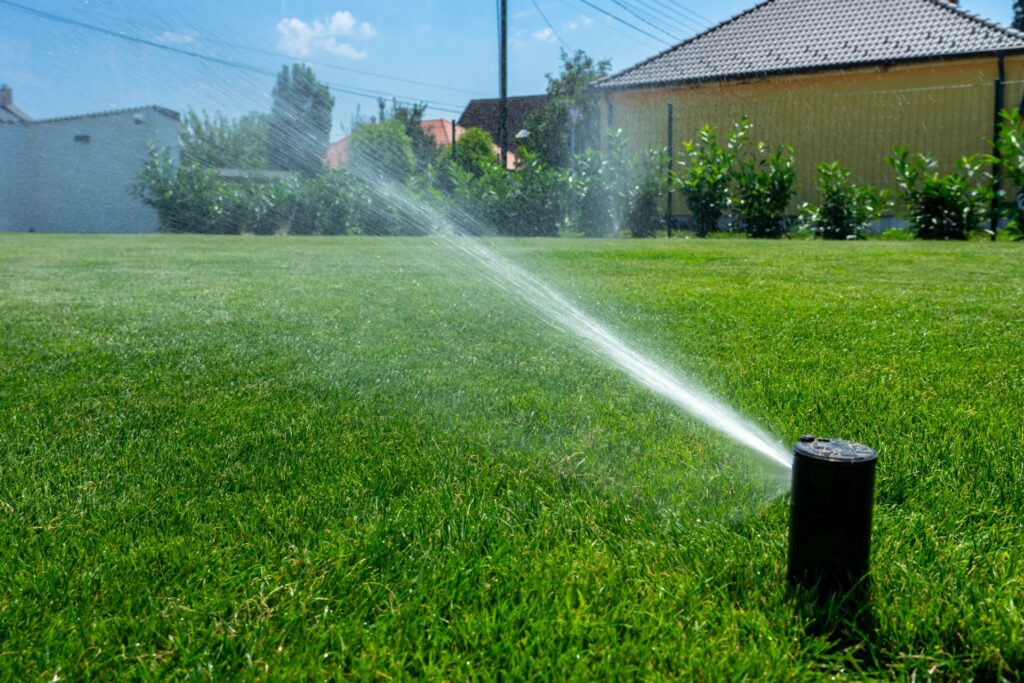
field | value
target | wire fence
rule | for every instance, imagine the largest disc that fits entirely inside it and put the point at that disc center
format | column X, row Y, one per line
column 858, row 127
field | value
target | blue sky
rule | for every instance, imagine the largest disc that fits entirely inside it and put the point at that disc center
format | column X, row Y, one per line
column 443, row 52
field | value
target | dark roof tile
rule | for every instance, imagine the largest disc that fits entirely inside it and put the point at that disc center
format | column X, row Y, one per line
column 802, row 35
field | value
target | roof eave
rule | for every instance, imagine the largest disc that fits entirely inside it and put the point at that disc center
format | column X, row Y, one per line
column 843, row 66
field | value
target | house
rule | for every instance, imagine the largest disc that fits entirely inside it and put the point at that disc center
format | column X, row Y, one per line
column 486, row 114
column 839, row 80
column 75, row 173
column 442, row 131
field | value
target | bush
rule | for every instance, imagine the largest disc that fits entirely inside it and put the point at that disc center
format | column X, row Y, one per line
column 187, row 198
column 530, row 201
column 644, row 218
column 938, row 206
column 594, row 187
column 846, row 209
column 704, row 180
column 765, row 184
column 473, row 152
column 615, row 190
column 323, row 205
column 1009, row 146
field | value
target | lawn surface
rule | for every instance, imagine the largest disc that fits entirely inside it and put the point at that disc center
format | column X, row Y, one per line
column 305, row 458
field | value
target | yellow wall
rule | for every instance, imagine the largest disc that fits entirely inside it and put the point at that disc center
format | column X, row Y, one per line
column 856, row 117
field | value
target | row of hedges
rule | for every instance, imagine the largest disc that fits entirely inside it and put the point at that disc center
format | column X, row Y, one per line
column 192, row 198
column 755, row 184
column 603, row 193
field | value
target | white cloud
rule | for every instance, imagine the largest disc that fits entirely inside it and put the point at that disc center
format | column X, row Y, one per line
column 170, row 37
column 343, row 49
column 299, row 38
column 545, row 36
column 341, row 23
column 584, row 21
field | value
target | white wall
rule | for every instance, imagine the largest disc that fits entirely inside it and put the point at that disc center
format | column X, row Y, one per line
column 57, row 184
column 13, row 180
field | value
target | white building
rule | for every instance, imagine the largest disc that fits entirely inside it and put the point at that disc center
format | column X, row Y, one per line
column 75, row 174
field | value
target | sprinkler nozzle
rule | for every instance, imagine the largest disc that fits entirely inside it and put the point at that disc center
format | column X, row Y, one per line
column 830, row 514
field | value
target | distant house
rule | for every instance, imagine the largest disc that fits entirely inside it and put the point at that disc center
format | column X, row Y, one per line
column 75, row 173
column 441, row 130
column 486, row 114
column 839, row 81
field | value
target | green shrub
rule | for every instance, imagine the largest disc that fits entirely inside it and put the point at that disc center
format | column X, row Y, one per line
column 643, row 217
column 1009, row 146
column 593, row 186
column 704, row 179
column 190, row 198
column 846, row 209
column 473, row 152
column 187, row 198
column 613, row 189
column 530, row 201
column 941, row 206
column 323, row 205
column 765, row 184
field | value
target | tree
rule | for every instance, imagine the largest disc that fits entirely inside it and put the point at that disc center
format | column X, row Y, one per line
column 382, row 151
column 549, row 128
column 474, row 151
column 220, row 142
column 1018, row 15
column 424, row 148
column 300, row 121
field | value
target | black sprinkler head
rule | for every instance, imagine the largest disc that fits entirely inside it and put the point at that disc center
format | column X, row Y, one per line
column 830, row 514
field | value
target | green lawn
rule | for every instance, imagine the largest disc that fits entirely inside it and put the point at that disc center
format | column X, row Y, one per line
column 309, row 458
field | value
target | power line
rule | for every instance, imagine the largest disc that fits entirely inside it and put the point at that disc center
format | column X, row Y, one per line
column 326, row 65
column 644, row 20
column 553, row 29
column 681, row 22
column 677, row 7
column 347, row 90
column 622, row 21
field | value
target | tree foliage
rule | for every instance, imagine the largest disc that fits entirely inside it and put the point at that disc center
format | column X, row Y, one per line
column 424, row 147
column 1018, row 15
column 300, row 121
column 549, row 127
column 219, row 142
column 382, row 151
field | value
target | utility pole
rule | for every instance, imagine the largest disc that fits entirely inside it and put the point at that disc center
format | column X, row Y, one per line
column 503, row 86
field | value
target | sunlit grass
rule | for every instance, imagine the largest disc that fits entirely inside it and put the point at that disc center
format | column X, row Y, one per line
column 293, row 458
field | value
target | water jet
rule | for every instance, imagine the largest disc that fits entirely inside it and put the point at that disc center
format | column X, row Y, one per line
column 832, row 490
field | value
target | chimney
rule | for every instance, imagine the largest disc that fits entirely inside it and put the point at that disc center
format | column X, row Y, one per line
column 6, row 96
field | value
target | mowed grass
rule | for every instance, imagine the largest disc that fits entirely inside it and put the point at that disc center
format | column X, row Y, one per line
column 321, row 458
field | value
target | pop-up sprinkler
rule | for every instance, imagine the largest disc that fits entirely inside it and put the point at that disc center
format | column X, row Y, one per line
column 830, row 514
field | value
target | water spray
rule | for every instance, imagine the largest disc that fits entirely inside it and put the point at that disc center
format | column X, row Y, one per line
column 832, row 493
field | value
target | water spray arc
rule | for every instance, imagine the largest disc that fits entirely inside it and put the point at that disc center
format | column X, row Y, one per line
column 557, row 310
